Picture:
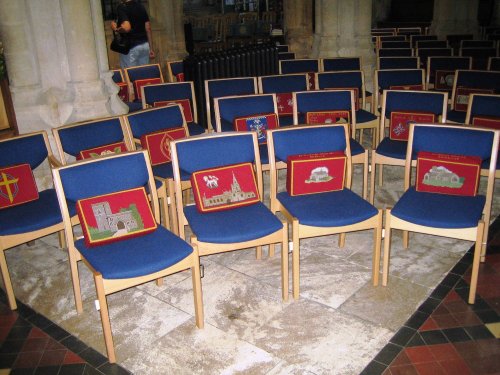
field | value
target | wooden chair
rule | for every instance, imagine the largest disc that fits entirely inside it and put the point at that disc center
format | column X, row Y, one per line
column 171, row 93
column 454, row 216
column 139, row 76
column 398, row 62
column 237, row 228
column 22, row 222
column 153, row 120
column 333, row 100
column 175, row 71
column 441, row 71
column 129, row 262
column 314, row 215
column 309, row 66
column 393, row 151
column 352, row 79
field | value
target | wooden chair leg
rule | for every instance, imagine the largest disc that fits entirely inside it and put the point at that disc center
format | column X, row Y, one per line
column 295, row 259
column 372, row 181
column 342, row 239
column 62, row 239
column 7, row 282
column 377, row 243
column 475, row 263
column 258, row 252
column 365, row 176
column 75, row 279
column 174, row 225
column 387, row 247
column 106, row 325
column 406, row 239
column 284, row 263
column 381, row 175
column 271, row 250
column 197, row 291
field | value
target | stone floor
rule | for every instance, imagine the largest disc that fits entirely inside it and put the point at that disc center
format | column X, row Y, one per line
column 340, row 325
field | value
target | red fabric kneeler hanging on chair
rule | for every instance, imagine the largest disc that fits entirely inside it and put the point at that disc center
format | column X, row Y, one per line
column 399, row 128
column 259, row 123
column 315, row 173
column 158, row 144
column 17, row 185
column 447, row 174
column 112, row 148
column 116, row 216
column 327, row 117
column 224, row 188
column 185, row 104
column 143, row 82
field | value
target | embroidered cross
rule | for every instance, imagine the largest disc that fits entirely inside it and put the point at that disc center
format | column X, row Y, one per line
column 7, row 183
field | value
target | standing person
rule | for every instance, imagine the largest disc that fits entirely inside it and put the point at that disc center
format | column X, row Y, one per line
column 133, row 23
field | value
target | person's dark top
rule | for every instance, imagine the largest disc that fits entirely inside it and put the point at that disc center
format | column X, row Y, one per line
column 135, row 13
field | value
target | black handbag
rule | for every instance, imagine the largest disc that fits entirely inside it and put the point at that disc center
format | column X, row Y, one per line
column 120, row 44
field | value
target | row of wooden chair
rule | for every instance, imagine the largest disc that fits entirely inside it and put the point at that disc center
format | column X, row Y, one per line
column 124, row 264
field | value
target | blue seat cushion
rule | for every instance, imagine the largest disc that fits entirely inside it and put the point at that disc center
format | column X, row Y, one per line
column 195, row 129
column 363, row 116
column 31, row 216
column 456, row 116
column 136, row 256
column 235, row 225
column 439, row 210
column 393, row 149
column 332, row 209
column 356, row 147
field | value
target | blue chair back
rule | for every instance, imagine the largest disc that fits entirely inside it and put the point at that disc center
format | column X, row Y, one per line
column 341, row 63
column 494, row 63
column 484, row 105
column 143, row 72
column 479, row 79
column 323, row 100
column 424, row 53
column 31, row 149
column 340, row 79
column 448, row 63
column 394, row 52
column 214, row 151
column 477, row 43
column 426, row 44
column 155, row 119
column 395, row 44
column 479, row 56
column 324, row 138
column 117, row 76
column 283, row 83
column 129, row 171
column 399, row 63
column 232, row 107
column 298, row 66
column 452, row 140
column 421, row 101
column 176, row 67
column 78, row 137
column 282, row 48
column 417, row 38
column 399, row 77
column 170, row 91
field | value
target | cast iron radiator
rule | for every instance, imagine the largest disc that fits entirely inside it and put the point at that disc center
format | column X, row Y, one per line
column 248, row 61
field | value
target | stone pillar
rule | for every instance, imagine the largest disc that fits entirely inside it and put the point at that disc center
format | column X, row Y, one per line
column 381, row 10
column 85, row 88
column 344, row 30
column 54, row 69
column 455, row 17
column 168, row 30
column 116, row 105
column 298, row 26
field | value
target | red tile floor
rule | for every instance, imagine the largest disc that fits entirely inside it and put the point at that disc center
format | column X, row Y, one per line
column 444, row 336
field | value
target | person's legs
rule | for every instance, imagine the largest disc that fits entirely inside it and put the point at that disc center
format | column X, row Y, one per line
column 125, row 60
column 142, row 55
